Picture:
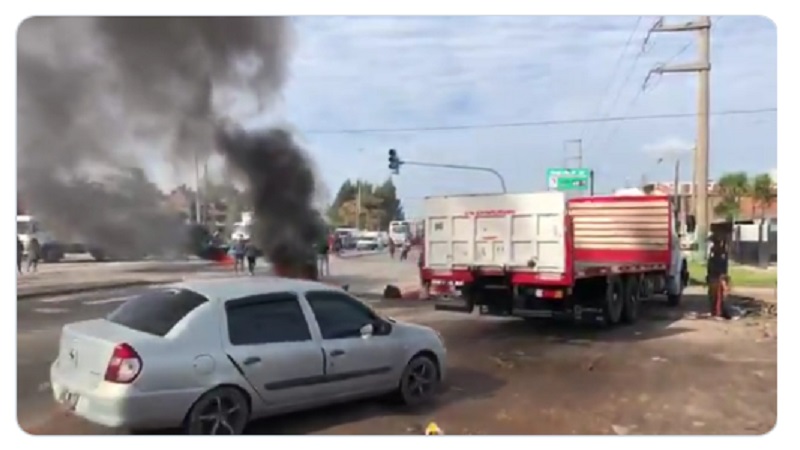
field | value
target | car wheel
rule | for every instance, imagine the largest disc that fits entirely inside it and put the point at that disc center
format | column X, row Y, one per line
column 419, row 381
column 224, row 410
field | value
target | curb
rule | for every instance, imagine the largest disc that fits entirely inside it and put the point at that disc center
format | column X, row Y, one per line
column 49, row 292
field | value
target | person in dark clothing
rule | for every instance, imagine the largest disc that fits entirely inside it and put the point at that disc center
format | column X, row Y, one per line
column 34, row 254
column 405, row 249
column 20, row 253
column 323, row 258
column 251, row 253
column 391, row 248
column 238, row 255
column 717, row 276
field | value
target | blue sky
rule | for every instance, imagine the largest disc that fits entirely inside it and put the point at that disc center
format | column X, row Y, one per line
column 404, row 72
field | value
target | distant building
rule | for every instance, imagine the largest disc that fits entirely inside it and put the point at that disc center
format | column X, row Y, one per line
column 748, row 208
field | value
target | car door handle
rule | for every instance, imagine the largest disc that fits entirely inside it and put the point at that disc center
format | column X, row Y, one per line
column 335, row 353
column 252, row 360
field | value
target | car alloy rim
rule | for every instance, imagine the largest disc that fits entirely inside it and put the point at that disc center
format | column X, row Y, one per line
column 221, row 415
column 420, row 379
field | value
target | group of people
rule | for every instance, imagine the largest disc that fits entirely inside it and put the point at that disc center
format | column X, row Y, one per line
column 244, row 249
column 405, row 248
column 34, row 255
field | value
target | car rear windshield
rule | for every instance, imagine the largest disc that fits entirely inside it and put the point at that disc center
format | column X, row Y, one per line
column 158, row 311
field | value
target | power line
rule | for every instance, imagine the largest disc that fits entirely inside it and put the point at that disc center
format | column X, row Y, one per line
column 613, row 133
column 617, row 65
column 541, row 123
column 630, row 72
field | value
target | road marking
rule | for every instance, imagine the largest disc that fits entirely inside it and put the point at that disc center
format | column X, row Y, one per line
column 51, row 310
column 59, row 299
column 109, row 300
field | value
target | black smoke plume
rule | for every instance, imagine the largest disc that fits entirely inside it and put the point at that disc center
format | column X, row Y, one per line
column 282, row 187
column 98, row 95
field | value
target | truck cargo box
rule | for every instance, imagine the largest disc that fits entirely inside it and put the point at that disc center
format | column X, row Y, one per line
column 621, row 231
column 519, row 232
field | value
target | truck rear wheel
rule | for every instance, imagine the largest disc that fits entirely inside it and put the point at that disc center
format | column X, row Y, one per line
column 614, row 301
column 52, row 254
column 630, row 309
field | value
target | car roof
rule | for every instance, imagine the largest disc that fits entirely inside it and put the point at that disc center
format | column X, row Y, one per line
column 228, row 288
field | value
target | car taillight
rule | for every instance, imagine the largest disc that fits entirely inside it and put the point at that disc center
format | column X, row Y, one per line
column 124, row 365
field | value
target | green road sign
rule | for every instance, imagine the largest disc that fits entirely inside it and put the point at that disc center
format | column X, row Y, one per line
column 569, row 179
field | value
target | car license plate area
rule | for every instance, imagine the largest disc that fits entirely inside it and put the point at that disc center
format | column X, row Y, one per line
column 69, row 400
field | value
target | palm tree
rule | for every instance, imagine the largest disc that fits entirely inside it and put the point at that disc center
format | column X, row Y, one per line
column 732, row 187
column 763, row 192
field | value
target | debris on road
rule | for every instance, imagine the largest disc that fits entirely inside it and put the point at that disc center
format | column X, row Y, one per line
column 620, row 430
column 433, row 430
column 392, row 292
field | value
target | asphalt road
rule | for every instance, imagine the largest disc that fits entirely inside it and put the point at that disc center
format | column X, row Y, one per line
column 39, row 323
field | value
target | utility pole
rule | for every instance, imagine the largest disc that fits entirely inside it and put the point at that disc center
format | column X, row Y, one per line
column 358, row 195
column 358, row 204
column 703, row 68
column 197, row 198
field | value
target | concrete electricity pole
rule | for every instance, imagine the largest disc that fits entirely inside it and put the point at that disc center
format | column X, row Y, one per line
column 702, row 67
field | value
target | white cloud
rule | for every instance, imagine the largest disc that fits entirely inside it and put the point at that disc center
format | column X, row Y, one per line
column 669, row 147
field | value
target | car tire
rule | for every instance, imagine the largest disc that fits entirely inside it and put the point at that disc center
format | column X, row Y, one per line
column 222, row 410
column 419, row 382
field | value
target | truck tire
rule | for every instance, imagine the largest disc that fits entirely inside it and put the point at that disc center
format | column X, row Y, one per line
column 52, row 254
column 674, row 300
column 98, row 255
column 613, row 301
column 630, row 308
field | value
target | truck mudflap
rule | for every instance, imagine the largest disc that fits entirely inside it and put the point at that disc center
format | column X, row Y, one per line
column 454, row 304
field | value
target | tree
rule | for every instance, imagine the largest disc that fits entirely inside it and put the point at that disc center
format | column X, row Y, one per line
column 392, row 207
column 379, row 205
column 732, row 187
column 347, row 192
column 763, row 192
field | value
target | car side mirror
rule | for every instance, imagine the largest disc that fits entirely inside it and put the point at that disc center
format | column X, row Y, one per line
column 382, row 327
column 367, row 331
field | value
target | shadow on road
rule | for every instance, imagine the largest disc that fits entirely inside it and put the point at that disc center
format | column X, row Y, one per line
column 463, row 384
column 656, row 320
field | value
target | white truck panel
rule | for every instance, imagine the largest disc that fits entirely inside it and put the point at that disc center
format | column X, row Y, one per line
column 497, row 230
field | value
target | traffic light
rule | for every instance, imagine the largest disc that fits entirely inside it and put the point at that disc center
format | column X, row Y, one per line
column 394, row 162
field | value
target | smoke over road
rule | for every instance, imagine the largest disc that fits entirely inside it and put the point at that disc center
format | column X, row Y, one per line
column 95, row 95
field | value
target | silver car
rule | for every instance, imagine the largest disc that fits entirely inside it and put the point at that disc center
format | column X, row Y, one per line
column 208, row 356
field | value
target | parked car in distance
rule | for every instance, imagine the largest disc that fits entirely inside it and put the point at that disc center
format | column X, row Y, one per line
column 368, row 243
column 208, row 356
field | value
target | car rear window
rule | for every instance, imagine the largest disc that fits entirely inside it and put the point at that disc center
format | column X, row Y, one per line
column 156, row 312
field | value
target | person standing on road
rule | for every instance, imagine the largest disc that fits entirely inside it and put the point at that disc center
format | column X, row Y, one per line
column 20, row 253
column 34, row 253
column 406, row 248
column 717, row 277
column 251, row 253
column 323, row 258
column 238, row 255
column 391, row 248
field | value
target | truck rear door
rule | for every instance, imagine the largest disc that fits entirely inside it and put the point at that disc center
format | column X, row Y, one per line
column 496, row 231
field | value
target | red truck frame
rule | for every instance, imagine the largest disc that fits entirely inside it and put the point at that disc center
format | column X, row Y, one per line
column 619, row 251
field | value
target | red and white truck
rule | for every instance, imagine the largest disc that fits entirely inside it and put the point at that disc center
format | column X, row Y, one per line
column 539, row 255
